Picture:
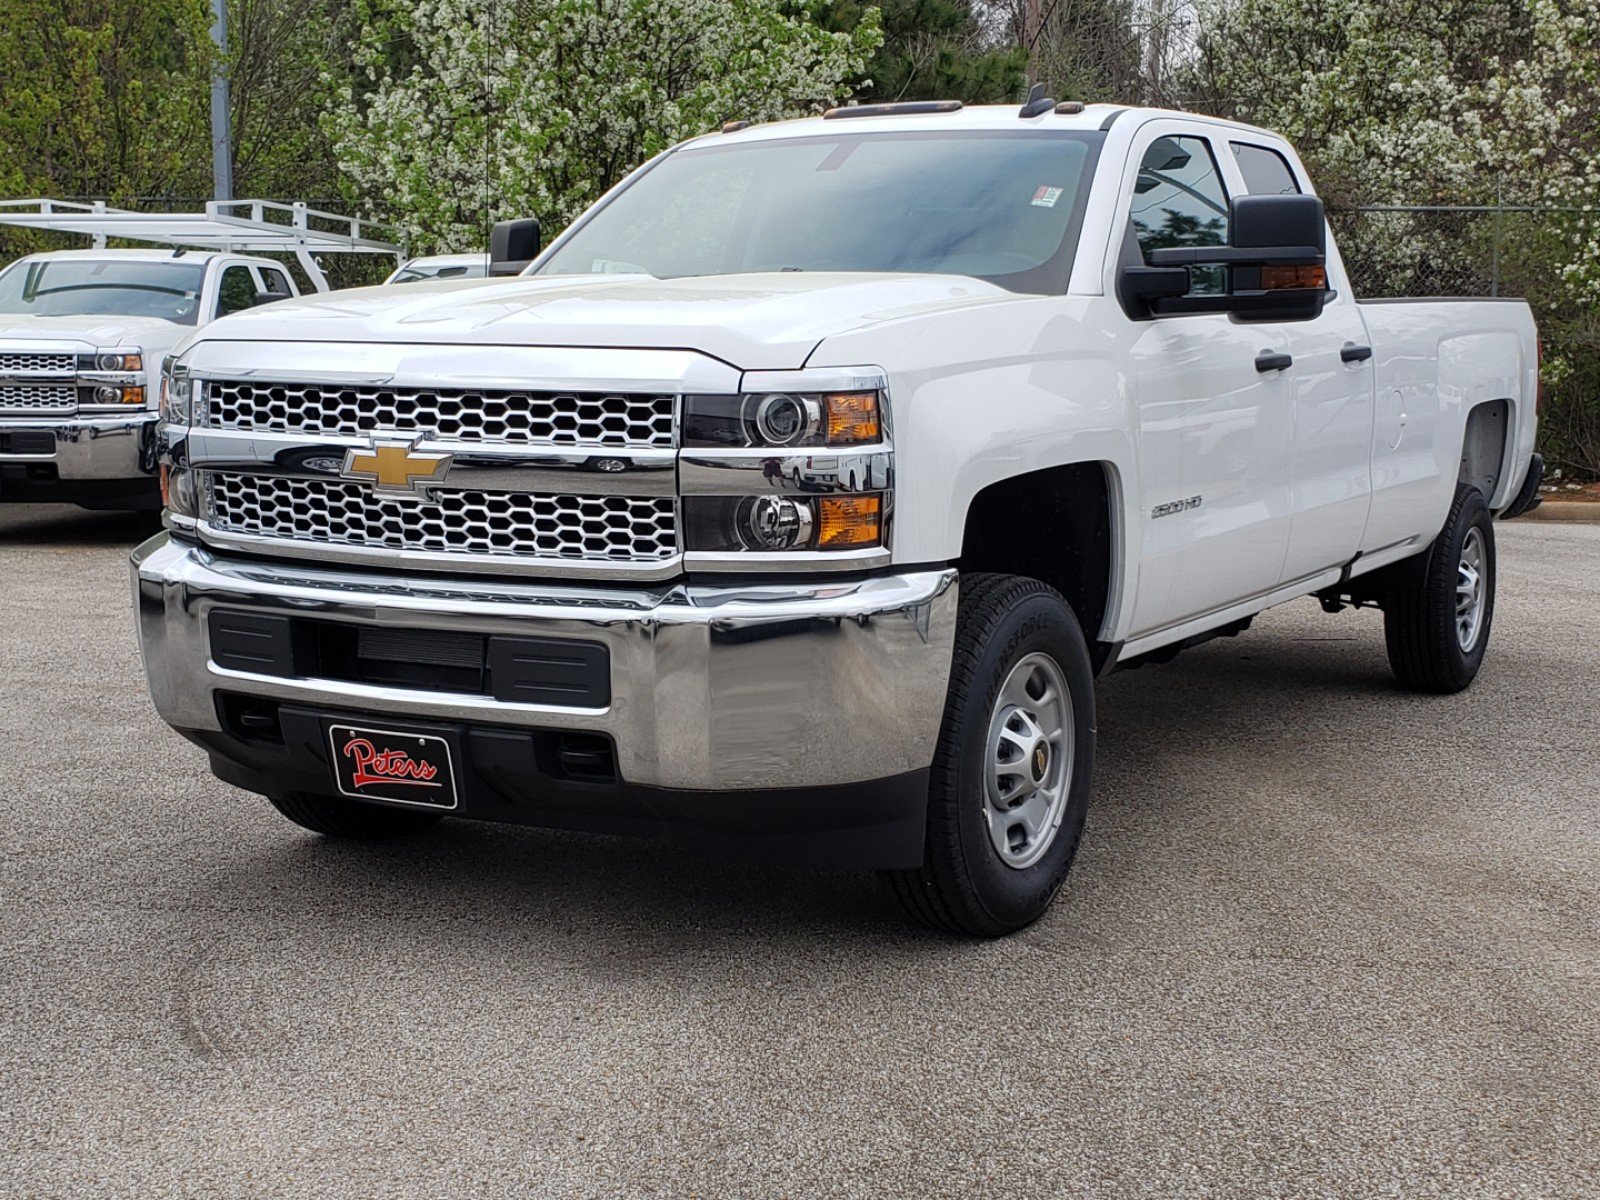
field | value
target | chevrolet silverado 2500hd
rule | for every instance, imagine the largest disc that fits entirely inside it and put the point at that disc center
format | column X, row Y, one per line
column 82, row 337
column 794, row 497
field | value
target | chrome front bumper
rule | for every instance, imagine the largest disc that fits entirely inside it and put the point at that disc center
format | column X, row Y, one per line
column 713, row 688
column 101, row 447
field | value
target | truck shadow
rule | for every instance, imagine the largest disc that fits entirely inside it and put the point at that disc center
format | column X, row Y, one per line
column 1160, row 728
column 67, row 525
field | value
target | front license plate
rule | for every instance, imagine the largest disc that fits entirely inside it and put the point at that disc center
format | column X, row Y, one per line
column 388, row 764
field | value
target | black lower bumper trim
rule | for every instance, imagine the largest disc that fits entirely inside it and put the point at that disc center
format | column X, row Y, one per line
column 528, row 670
column 563, row 780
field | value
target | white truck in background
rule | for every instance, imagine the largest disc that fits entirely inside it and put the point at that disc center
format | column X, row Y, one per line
column 793, row 499
column 440, row 266
column 82, row 337
column 83, row 332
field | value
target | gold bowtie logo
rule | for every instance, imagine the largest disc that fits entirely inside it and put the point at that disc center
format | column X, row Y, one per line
column 395, row 468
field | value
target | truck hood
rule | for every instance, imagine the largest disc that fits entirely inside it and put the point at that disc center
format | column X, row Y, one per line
column 755, row 322
column 141, row 333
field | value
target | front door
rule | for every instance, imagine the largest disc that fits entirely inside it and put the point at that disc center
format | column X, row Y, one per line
column 1215, row 418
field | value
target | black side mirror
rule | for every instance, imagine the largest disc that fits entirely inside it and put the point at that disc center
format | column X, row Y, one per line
column 513, row 245
column 1276, row 262
column 270, row 297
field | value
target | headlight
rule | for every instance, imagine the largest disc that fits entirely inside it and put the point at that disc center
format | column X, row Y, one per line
column 178, row 490
column 111, row 395
column 177, row 394
column 797, row 419
column 111, row 360
column 778, row 523
column 111, row 378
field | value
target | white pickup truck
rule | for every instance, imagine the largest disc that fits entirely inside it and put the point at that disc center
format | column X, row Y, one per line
column 82, row 337
column 793, row 499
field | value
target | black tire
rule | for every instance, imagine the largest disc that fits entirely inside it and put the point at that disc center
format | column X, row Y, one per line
column 1420, row 622
column 351, row 820
column 963, row 885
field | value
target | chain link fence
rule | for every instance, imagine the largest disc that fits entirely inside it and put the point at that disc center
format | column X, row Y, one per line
column 1455, row 250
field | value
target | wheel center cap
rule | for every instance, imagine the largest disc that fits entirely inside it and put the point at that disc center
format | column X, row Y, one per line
column 1041, row 762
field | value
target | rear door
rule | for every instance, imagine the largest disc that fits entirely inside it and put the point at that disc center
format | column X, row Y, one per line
column 1330, row 481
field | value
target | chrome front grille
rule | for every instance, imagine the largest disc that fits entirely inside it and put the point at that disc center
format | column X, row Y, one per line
column 608, row 420
column 23, row 362
column 498, row 525
column 38, row 397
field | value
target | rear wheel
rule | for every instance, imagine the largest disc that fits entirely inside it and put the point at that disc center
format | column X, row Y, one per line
column 338, row 817
column 1438, row 630
column 1010, row 782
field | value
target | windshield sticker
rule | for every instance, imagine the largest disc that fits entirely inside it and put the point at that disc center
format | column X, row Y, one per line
column 1046, row 197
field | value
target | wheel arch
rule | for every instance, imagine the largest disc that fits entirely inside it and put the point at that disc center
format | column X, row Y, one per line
column 1065, row 526
column 1487, row 443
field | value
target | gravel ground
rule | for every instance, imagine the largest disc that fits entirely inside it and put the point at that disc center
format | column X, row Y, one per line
column 1323, row 939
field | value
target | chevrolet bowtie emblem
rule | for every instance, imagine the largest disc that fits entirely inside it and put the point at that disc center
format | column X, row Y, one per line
column 395, row 468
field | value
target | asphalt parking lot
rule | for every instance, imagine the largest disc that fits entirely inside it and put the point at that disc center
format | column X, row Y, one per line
column 1324, row 939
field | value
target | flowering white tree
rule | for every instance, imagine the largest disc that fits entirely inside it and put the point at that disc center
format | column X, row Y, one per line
column 1443, row 102
column 1421, row 102
column 469, row 111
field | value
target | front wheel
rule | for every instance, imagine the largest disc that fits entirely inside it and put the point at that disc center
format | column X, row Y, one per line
column 1009, row 788
column 1437, row 631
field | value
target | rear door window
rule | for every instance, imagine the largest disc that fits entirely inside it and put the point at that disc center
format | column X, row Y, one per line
column 1265, row 171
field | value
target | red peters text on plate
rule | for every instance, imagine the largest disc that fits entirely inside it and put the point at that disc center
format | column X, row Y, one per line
column 387, row 766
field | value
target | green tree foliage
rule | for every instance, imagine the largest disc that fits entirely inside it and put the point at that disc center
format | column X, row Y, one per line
column 466, row 111
column 103, row 97
column 1083, row 49
column 283, row 58
column 1442, row 102
column 933, row 50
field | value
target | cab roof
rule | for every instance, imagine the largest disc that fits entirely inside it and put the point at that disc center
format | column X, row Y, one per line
column 188, row 256
column 995, row 117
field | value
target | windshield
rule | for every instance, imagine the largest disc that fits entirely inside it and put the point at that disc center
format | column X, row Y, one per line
column 412, row 272
column 999, row 205
column 93, row 287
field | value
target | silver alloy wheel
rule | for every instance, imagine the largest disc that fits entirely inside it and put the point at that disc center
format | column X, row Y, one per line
column 1472, row 589
column 1028, row 771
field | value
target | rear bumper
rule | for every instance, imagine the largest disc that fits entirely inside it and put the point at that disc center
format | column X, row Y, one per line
column 87, row 459
column 786, row 708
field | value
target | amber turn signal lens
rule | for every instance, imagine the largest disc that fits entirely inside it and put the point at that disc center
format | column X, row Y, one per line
column 1273, row 278
column 844, row 522
column 852, row 417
